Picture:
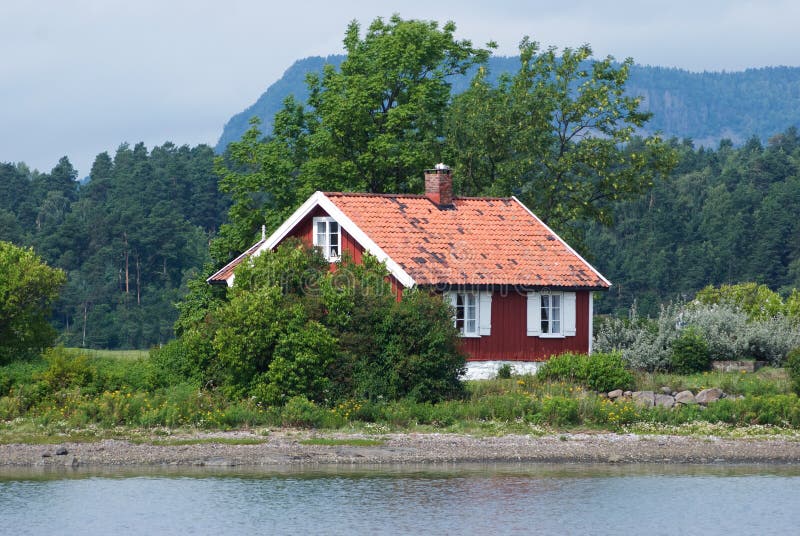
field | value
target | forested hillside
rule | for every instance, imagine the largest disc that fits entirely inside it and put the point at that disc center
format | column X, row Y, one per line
column 724, row 216
column 705, row 107
column 128, row 239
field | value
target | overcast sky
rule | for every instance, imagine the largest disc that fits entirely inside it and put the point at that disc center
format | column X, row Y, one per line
column 78, row 77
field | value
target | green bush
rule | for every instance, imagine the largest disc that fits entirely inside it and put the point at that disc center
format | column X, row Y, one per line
column 65, row 369
column 600, row 371
column 504, row 371
column 606, row 372
column 793, row 368
column 301, row 412
column 690, row 353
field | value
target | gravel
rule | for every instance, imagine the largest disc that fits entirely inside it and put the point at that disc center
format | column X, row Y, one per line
column 283, row 448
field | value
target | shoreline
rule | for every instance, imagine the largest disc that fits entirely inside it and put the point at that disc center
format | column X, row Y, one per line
column 284, row 449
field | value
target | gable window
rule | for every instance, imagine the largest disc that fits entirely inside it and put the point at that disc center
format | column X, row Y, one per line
column 473, row 310
column 551, row 314
column 328, row 237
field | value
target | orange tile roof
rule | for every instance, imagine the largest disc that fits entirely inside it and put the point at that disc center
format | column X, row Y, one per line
column 226, row 271
column 475, row 241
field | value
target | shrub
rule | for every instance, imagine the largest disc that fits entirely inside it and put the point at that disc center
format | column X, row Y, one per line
column 504, row 371
column 723, row 327
column 559, row 410
column 645, row 344
column 300, row 411
column 600, row 371
column 65, row 370
column 690, row 353
column 793, row 368
column 606, row 372
column 175, row 362
column 772, row 339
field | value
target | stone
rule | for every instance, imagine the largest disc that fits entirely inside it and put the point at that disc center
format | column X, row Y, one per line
column 616, row 393
column 685, row 397
column 666, row 390
column 644, row 398
column 61, row 451
column 627, row 393
column 706, row 396
column 665, row 401
column 46, row 454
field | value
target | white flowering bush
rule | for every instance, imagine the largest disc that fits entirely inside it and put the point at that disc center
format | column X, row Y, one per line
column 644, row 343
column 728, row 331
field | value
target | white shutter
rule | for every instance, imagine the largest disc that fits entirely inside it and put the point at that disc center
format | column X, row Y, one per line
column 485, row 313
column 534, row 316
column 568, row 314
column 452, row 298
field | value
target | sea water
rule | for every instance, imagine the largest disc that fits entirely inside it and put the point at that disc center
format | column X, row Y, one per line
column 429, row 499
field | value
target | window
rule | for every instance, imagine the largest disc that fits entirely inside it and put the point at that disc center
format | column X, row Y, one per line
column 466, row 314
column 551, row 314
column 328, row 237
column 473, row 310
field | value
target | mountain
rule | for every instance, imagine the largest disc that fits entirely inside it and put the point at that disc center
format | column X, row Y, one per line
column 705, row 107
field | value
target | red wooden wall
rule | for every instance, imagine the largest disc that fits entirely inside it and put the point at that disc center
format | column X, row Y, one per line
column 509, row 340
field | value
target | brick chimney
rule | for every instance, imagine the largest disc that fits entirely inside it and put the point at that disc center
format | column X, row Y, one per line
column 439, row 185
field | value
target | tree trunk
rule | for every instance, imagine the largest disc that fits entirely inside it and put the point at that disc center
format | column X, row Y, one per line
column 127, row 281
column 83, row 341
column 138, row 286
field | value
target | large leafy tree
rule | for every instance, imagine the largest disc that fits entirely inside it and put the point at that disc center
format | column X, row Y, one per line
column 27, row 288
column 371, row 125
column 559, row 134
column 377, row 121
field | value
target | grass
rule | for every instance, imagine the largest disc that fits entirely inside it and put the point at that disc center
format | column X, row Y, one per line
column 765, row 381
column 124, row 355
column 350, row 442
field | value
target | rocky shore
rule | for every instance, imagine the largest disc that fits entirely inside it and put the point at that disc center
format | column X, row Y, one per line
column 285, row 448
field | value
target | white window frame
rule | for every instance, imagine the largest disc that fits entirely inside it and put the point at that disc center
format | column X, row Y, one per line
column 325, row 243
column 482, row 311
column 550, row 314
column 566, row 311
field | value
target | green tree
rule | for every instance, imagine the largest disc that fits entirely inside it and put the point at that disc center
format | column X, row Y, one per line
column 371, row 125
column 27, row 288
column 559, row 134
column 377, row 121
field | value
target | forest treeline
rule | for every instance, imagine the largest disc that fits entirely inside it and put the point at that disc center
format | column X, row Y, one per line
column 131, row 236
column 725, row 215
column 128, row 238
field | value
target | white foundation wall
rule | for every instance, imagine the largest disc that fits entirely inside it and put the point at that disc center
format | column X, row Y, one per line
column 485, row 370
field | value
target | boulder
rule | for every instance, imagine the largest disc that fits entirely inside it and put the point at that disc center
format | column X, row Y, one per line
column 666, row 390
column 685, row 397
column 665, row 401
column 644, row 398
column 616, row 393
column 707, row 396
column 61, row 451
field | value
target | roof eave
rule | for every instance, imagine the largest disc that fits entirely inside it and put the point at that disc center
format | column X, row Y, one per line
column 569, row 248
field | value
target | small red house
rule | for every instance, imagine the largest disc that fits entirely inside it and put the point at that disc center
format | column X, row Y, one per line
column 520, row 293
